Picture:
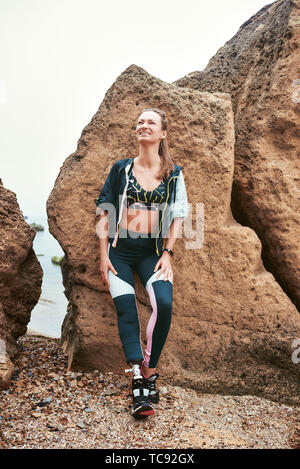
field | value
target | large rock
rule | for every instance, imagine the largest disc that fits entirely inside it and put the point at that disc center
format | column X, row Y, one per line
column 233, row 326
column 20, row 279
column 259, row 68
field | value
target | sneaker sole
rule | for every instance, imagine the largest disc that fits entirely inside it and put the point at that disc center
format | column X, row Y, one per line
column 143, row 413
column 140, row 416
column 147, row 412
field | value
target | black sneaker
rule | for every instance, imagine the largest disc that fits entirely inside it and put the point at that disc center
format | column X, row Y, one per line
column 141, row 401
column 151, row 386
column 142, row 407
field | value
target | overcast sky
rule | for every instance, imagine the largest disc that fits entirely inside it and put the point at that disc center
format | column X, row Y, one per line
column 59, row 57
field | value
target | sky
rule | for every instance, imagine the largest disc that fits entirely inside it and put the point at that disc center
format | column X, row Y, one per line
column 59, row 57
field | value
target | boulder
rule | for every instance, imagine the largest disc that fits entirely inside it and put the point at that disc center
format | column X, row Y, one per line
column 259, row 68
column 20, row 279
column 233, row 326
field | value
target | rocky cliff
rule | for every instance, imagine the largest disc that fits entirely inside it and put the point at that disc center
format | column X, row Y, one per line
column 20, row 279
column 260, row 69
column 233, row 324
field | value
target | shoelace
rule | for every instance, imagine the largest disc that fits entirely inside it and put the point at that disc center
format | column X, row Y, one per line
column 151, row 386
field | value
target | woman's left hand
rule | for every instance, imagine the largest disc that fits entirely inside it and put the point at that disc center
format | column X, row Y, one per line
column 164, row 263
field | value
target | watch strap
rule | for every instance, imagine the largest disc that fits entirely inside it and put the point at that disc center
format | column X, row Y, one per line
column 169, row 251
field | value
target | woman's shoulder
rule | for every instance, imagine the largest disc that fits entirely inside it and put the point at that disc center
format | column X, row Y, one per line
column 177, row 169
column 121, row 163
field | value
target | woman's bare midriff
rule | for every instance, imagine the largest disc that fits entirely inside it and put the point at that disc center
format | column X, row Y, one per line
column 141, row 221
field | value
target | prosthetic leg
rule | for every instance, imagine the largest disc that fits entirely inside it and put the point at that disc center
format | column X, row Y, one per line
column 142, row 407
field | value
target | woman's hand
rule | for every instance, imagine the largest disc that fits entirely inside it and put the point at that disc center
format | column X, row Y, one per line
column 166, row 268
column 105, row 265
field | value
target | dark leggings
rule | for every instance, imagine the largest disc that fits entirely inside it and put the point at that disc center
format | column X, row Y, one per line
column 139, row 254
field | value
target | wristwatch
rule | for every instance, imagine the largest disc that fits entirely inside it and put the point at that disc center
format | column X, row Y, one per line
column 169, row 251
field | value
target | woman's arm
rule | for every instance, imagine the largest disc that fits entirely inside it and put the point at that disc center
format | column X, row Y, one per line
column 102, row 231
column 174, row 230
column 179, row 212
column 164, row 262
column 105, row 263
column 105, row 203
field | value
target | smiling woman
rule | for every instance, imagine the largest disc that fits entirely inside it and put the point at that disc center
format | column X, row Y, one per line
column 147, row 185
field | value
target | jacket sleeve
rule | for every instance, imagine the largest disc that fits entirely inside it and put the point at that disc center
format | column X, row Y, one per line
column 181, row 206
column 106, row 197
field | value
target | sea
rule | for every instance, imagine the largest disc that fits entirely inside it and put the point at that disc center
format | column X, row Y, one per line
column 48, row 314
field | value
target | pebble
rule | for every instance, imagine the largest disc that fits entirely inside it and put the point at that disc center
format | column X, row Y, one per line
column 163, row 389
column 44, row 402
column 46, row 407
column 110, row 392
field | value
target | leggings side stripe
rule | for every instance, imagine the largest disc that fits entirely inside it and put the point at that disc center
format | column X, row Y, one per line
column 151, row 324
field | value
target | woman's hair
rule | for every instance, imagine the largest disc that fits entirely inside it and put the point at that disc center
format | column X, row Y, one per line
column 167, row 164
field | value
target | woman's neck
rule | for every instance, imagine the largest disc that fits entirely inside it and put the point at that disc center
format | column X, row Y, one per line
column 148, row 160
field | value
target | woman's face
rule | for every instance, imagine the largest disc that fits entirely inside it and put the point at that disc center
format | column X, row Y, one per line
column 148, row 128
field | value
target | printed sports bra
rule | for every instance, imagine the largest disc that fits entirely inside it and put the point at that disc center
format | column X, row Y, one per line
column 139, row 198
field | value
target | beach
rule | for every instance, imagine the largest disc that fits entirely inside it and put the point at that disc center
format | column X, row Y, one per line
column 47, row 407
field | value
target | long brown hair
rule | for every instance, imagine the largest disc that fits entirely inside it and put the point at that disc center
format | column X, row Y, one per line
column 167, row 164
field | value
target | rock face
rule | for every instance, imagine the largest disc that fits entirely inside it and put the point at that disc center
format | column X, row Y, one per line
column 259, row 68
column 20, row 279
column 233, row 326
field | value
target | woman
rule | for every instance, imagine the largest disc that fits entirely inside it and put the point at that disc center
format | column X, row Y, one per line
column 142, row 201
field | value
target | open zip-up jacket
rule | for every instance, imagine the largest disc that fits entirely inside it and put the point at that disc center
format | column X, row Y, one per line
column 113, row 193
